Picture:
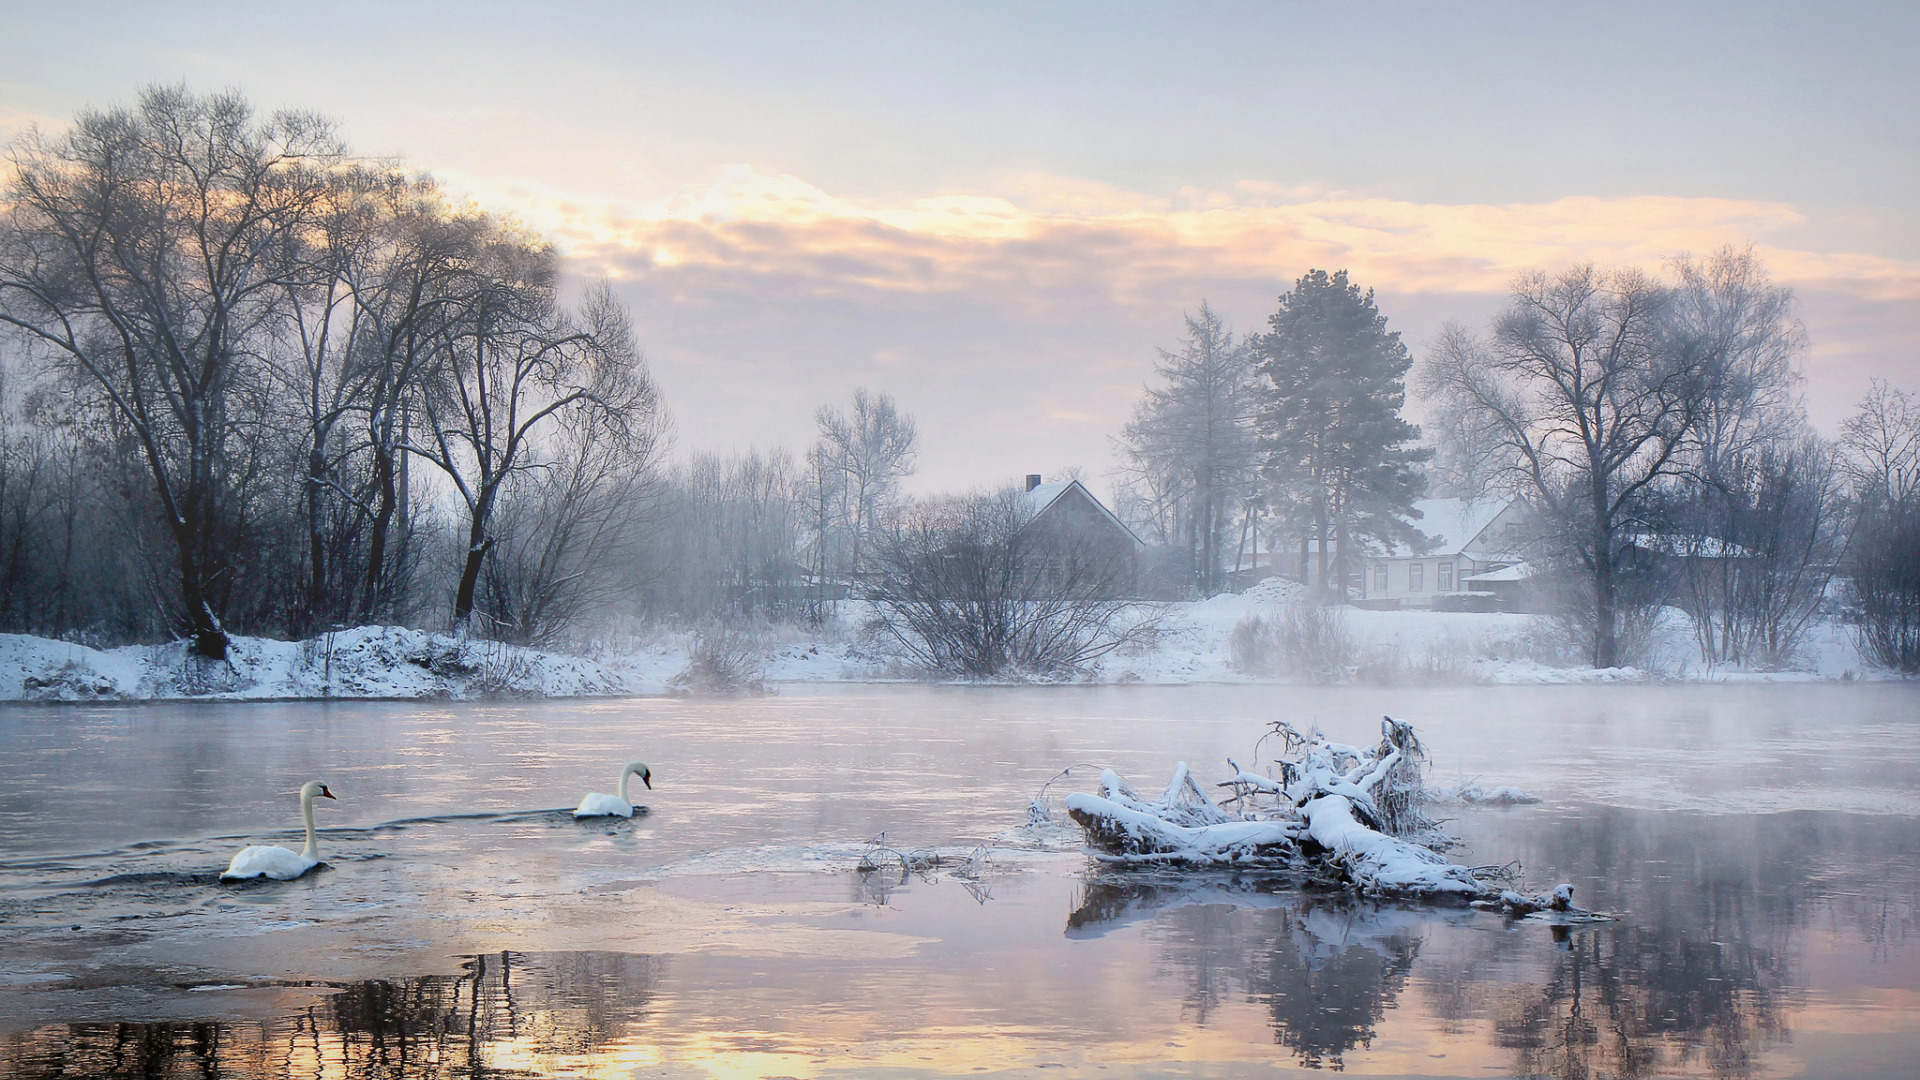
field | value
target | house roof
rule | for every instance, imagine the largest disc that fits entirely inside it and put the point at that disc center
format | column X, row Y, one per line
column 1042, row 496
column 1517, row 572
column 1452, row 524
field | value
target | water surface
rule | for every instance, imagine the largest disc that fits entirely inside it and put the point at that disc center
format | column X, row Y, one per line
column 1761, row 845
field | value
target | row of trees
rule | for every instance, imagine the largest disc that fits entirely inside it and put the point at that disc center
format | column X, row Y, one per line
column 248, row 342
column 248, row 380
column 251, row 382
column 1302, row 422
column 1653, row 427
column 759, row 535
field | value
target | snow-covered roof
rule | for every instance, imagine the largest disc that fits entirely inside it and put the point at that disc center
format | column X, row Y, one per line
column 1042, row 496
column 1517, row 572
column 1452, row 524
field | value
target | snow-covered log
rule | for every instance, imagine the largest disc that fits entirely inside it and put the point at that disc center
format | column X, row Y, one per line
column 1383, row 864
column 1121, row 833
column 1339, row 814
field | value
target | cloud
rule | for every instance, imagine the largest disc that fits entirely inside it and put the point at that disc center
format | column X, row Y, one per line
column 1044, row 227
column 1029, row 313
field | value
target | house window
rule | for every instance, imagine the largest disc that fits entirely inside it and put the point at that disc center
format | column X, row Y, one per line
column 1416, row 577
column 1380, row 578
column 1445, row 580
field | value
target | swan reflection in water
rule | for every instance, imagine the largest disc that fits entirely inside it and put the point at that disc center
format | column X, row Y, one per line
column 1621, row 999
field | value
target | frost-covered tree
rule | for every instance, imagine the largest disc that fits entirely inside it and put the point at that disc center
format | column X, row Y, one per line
column 1882, row 444
column 1188, row 454
column 871, row 449
column 1591, row 401
column 518, row 365
column 145, row 250
column 1339, row 461
column 1757, row 515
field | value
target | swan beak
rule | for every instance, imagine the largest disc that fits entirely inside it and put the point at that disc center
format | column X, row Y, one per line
column 325, row 794
column 647, row 779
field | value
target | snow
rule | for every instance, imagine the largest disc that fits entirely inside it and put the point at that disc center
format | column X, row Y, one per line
column 366, row 662
column 1392, row 865
column 1324, row 821
column 1471, row 794
column 1194, row 644
column 1452, row 524
column 1151, row 838
column 1519, row 571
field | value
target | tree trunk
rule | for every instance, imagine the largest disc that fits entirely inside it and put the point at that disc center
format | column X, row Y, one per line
column 477, row 545
column 316, row 530
column 372, row 594
column 209, row 637
column 191, row 533
column 1320, row 533
column 1606, row 644
column 469, row 576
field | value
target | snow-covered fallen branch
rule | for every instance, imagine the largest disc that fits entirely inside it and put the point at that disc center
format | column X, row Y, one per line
column 1335, row 812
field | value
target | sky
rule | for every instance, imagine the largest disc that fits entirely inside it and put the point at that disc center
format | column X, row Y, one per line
column 996, row 212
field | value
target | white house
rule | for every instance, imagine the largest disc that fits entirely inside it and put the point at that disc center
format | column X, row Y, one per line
column 1470, row 537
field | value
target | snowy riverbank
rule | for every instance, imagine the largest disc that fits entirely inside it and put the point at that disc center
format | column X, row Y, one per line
column 1195, row 644
column 365, row 662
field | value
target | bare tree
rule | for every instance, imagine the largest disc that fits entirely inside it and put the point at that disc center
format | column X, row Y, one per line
column 873, row 448
column 1882, row 441
column 565, row 528
column 1883, row 444
column 1188, row 453
column 823, row 494
column 974, row 586
column 1756, row 520
column 1591, row 400
column 516, row 364
column 1747, row 342
column 138, row 250
column 1758, row 548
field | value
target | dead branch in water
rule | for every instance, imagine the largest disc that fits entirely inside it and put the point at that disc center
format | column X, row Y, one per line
column 1334, row 813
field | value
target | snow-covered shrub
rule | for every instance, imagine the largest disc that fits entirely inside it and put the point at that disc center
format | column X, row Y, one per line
column 979, row 587
column 1302, row 639
column 70, row 681
column 501, row 670
column 1886, row 587
column 721, row 662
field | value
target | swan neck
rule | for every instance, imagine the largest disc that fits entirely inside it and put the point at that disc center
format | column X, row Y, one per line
column 623, row 788
column 313, row 840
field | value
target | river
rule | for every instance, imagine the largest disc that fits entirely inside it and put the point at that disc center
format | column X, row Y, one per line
column 1760, row 844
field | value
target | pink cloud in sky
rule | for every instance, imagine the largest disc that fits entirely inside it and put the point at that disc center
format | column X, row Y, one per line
column 1020, row 324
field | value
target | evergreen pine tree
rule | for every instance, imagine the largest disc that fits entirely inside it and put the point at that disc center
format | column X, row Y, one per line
column 1338, row 461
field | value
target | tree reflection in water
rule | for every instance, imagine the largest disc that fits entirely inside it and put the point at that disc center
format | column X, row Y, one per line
column 503, row 1013
column 1325, row 966
column 1610, row 1001
column 1627, row 1002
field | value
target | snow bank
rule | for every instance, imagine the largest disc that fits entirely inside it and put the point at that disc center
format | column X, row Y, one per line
column 1195, row 646
column 365, row 662
column 1504, row 648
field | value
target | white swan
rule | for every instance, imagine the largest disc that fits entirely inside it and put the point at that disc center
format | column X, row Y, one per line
column 278, row 863
column 598, row 805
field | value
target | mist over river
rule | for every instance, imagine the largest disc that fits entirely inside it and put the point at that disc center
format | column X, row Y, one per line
column 1760, row 845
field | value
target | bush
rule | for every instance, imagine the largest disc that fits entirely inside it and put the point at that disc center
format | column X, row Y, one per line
column 1303, row 640
column 974, row 587
column 1886, row 587
column 721, row 662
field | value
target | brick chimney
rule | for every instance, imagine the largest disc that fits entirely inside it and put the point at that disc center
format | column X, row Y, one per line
column 1033, row 480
